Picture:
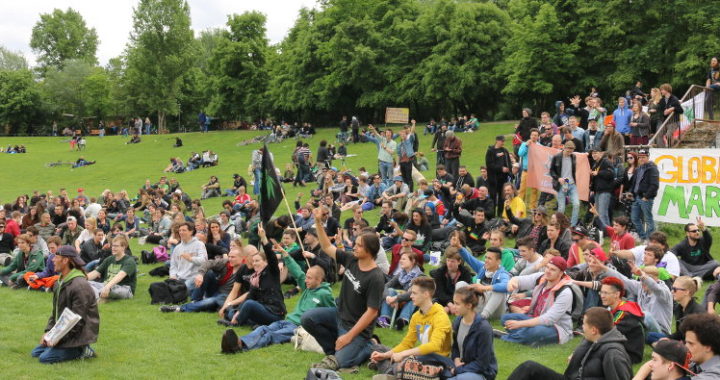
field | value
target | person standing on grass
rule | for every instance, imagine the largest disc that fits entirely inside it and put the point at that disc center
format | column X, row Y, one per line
column 406, row 154
column 71, row 291
column 601, row 355
column 118, row 271
column 497, row 159
column 429, row 329
column 386, row 147
column 344, row 331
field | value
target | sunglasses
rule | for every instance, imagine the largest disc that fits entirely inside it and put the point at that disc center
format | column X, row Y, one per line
column 693, row 231
column 674, row 289
column 406, row 239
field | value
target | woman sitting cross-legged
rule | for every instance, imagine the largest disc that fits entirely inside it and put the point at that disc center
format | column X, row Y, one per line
column 397, row 292
column 263, row 304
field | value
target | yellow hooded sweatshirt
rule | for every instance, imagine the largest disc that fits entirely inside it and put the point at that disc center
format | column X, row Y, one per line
column 432, row 330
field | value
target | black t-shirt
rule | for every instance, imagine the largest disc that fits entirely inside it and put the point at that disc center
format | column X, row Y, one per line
column 360, row 290
column 349, row 223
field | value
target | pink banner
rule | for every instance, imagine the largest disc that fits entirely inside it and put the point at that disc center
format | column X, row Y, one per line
column 539, row 161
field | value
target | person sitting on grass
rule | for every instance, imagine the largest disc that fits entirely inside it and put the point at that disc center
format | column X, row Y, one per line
column 263, row 304
column 315, row 293
column 548, row 319
column 215, row 279
column 429, row 329
column 451, row 271
column 397, row 292
column 472, row 350
column 46, row 279
column 118, row 273
column 670, row 361
column 94, row 250
column 683, row 291
column 627, row 316
column 187, row 257
column 211, row 189
column 344, row 332
column 25, row 260
column 491, row 282
column 702, row 339
column 71, row 291
column 601, row 355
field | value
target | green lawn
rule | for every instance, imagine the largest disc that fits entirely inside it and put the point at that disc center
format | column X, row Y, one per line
column 136, row 340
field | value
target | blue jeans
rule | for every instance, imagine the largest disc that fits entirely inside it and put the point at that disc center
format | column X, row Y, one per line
column 50, row 355
column 323, row 324
column 367, row 206
column 405, row 311
column 206, row 304
column 468, row 376
column 641, row 216
column 252, row 312
column 653, row 337
column 569, row 190
column 275, row 333
column 91, row 265
column 536, row 335
column 256, row 185
column 602, row 200
column 386, row 172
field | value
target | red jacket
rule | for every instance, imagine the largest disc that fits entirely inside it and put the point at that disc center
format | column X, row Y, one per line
column 396, row 258
column 12, row 227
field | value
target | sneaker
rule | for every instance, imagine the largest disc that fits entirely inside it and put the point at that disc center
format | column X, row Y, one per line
column 499, row 333
column 351, row 370
column 170, row 309
column 383, row 322
column 230, row 343
column 328, row 362
column 88, row 353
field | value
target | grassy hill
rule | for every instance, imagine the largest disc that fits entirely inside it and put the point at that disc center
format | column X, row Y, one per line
column 136, row 340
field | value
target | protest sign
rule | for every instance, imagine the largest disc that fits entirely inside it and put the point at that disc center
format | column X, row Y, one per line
column 539, row 161
column 397, row 115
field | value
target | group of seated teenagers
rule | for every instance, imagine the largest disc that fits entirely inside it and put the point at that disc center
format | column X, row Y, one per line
column 206, row 159
column 555, row 281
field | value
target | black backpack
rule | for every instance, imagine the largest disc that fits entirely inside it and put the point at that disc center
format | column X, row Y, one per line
column 148, row 257
column 322, row 374
column 161, row 271
column 170, row 291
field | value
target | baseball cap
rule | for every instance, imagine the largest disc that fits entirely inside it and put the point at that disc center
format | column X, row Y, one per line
column 398, row 178
column 580, row 230
column 642, row 152
column 69, row 251
column 674, row 351
column 559, row 262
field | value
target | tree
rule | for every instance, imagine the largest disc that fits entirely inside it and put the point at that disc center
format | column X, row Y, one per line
column 60, row 36
column 20, row 101
column 159, row 55
column 11, row 61
column 238, row 70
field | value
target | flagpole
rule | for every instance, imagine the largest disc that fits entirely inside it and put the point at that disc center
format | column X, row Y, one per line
column 297, row 233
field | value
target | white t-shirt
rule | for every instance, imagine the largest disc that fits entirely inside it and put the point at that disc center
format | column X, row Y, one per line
column 672, row 265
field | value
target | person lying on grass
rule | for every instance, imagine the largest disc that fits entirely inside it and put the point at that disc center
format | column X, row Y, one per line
column 344, row 332
column 315, row 293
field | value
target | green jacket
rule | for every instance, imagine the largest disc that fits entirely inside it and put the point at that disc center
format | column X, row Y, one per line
column 73, row 291
column 309, row 298
column 35, row 263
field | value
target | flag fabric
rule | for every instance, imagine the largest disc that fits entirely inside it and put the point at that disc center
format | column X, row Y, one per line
column 270, row 190
column 539, row 159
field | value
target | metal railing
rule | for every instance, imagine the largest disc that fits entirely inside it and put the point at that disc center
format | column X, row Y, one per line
column 671, row 131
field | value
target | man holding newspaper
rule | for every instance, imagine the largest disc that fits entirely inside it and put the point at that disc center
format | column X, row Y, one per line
column 75, row 321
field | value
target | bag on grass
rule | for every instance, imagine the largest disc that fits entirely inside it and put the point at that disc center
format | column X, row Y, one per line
column 413, row 369
column 161, row 254
column 303, row 341
column 322, row 374
column 161, row 271
column 169, row 291
column 147, row 257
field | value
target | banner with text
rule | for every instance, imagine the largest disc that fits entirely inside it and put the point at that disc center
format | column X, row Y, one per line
column 538, row 174
column 397, row 115
column 689, row 185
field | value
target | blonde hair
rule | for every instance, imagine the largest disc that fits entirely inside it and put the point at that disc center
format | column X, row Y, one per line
column 692, row 284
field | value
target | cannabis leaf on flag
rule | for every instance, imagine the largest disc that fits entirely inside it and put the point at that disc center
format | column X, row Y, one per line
column 270, row 191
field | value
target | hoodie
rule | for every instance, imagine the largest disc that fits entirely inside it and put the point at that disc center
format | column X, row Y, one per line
column 604, row 359
column 628, row 318
column 309, row 298
column 621, row 117
column 477, row 353
column 432, row 330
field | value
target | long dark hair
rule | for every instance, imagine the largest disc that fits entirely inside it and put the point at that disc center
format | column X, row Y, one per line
column 423, row 217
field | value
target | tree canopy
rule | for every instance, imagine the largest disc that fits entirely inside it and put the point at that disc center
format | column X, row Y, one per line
column 63, row 35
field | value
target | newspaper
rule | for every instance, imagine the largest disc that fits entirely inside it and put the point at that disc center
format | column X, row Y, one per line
column 68, row 319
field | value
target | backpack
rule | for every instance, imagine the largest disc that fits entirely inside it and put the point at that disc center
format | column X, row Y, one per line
column 160, row 253
column 170, row 291
column 322, row 374
column 578, row 302
column 303, row 341
column 147, row 257
column 160, row 271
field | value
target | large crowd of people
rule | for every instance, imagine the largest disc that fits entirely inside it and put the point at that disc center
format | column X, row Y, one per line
column 507, row 253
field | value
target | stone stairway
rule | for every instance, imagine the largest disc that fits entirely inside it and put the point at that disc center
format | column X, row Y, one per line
column 703, row 135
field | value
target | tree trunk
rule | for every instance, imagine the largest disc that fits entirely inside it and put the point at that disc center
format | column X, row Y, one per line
column 161, row 122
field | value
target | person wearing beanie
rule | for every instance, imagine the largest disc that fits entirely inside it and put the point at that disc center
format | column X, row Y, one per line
column 627, row 316
column 670, row 361
column 548, row 319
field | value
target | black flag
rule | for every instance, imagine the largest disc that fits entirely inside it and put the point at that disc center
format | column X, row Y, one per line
column 270, row 191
